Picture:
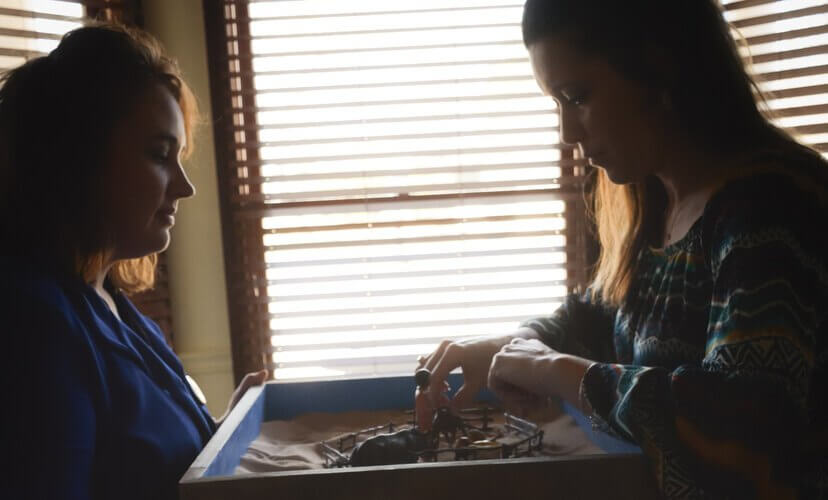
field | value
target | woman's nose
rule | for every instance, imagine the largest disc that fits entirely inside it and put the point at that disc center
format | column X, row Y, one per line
column 572, row 131
column 181, row 186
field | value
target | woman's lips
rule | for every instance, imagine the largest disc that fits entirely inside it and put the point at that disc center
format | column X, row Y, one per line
column 167, row 217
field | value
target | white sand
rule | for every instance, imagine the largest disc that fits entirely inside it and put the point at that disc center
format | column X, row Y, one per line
column 294, row 445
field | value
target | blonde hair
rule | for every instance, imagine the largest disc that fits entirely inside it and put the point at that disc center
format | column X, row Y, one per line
column 710, row 91
column 629, row 218
column 130, row 275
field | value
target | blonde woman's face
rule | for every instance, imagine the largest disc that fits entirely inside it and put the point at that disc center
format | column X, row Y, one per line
column 615, row 122
column 143, row 179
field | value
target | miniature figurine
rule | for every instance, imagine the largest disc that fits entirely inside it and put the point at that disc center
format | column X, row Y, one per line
column 410, row 445
column 424, row 410
column 402, row 447
column 447, row 423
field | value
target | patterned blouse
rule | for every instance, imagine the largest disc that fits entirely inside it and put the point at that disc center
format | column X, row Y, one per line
column 717, row 362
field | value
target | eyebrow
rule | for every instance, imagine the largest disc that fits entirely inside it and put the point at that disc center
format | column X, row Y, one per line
column 164, row 136
column 559, row 87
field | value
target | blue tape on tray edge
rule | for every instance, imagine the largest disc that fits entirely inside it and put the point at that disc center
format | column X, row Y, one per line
column 248, row 429
column 606, row 442
column 288, row 400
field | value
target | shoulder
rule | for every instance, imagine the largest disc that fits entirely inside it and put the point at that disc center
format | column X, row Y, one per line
column 766, row 198
column 25, row 289
column 48, row 342
column 768, row 213
column 767, row 201
column 39, row 310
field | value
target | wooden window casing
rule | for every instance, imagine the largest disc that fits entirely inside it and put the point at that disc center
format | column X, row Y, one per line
column 795, row 71
column 247, row 207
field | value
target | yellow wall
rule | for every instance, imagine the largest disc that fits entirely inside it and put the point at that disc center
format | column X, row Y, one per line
column 196, row 260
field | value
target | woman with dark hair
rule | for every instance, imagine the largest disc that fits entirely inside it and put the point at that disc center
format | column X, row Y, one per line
column 703, row 337
column 91, row 141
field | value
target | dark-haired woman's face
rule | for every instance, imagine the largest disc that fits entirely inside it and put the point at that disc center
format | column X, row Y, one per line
column 142, row 177
column 616, row 122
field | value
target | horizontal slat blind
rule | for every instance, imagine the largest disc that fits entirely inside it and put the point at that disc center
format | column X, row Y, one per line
column 31, row 28
column 787, row 43
column 394, row 176
column 370, row 289
column 404, row 175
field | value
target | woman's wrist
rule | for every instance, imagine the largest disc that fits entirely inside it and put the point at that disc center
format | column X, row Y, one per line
column 583, row 398
column 567, row 374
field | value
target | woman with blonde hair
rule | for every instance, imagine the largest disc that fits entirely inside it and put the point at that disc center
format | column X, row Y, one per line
column 91, row 142
column 703, row 337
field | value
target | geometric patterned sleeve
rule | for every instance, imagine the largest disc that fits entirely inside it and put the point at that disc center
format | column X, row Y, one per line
column 581, row 326
column 734, row 427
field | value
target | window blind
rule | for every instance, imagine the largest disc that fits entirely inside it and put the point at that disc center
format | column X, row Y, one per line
column 786, row 44
column 32, row 28
column 393, row 177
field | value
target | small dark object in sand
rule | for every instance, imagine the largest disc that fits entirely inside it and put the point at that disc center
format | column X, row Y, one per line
column 402, row 447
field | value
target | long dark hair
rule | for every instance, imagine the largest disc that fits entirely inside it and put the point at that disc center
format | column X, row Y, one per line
column 711, row 92
column 56, row 116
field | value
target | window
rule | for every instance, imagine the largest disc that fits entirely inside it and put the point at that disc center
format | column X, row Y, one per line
column 392, row 176
column 33, row 28
column 787, row 43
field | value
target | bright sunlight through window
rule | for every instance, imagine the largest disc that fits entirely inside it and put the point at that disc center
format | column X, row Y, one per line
column 414, row 175
column 409, row 177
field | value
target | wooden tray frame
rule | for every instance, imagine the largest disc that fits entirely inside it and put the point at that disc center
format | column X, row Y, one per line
column 622, row 473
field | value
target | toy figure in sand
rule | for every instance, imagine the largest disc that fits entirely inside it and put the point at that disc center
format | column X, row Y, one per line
column 407, row 445
column 402, row 447
column 424, row 404
column 447, row 424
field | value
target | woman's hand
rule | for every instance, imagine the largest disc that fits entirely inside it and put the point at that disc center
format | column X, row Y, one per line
column 473, row 356
column 520, row 374
column 526, row 372
column 249, row 380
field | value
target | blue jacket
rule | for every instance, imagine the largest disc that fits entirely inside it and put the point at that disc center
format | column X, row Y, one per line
column 100, row 408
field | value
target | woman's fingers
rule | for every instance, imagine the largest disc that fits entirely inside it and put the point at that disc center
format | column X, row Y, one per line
column 465, row 395
column 434, row 358
column 253, row 379
column 473, row 356
column 260, row 377
column 250, row 380
column 451, row 357
column 527, row 345
column 444, row 360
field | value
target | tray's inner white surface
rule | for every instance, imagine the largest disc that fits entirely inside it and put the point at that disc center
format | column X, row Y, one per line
column 294, row 444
